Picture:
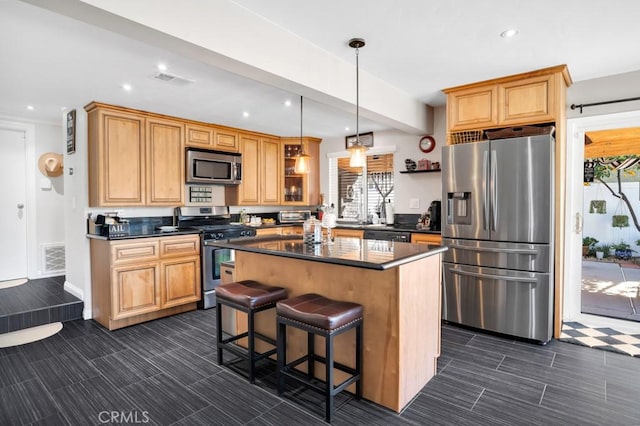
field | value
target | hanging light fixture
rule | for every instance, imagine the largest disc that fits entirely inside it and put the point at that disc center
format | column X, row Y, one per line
column 357, row 150
column 302, row 159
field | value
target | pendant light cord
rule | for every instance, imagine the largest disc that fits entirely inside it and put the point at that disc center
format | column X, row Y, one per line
column 301, row 145
column 357, row 97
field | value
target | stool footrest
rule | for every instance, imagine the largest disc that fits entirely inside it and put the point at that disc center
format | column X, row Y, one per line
column 233, row 338
column 317, row 384
column 244, row 352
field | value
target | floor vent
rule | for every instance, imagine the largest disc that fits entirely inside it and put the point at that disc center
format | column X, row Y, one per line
column 53, row 258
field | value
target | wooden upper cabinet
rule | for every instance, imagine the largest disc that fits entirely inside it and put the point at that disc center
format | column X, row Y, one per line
column 211, row 137
column 261, row 182
column 226, row 140
column 527, row 100
column 199, row 136
column 135, row 159
column 165, row 162
column 248, row 192
column 116, row 158
column 303, row 189
column 270, row 165
column 472, row 108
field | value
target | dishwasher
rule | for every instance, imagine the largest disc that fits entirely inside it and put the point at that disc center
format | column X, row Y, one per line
column 383, row 235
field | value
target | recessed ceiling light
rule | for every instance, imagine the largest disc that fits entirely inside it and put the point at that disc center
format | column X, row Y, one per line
column 30, row 107
column 346, row 129
column 287, row 103
column 126, row 87
column 162, row 67
column 245, row 114
column 509, row 33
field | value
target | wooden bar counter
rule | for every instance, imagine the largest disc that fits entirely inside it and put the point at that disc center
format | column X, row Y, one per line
column 397, row 283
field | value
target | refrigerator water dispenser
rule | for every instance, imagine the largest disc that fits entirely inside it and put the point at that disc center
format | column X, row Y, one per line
column 459, row 208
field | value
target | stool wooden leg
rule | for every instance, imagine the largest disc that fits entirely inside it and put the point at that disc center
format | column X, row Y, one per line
column 359, row 360
column 219, row 331
column 251, row 339
column 311, row 350
column 281, row 346
column 329, row 378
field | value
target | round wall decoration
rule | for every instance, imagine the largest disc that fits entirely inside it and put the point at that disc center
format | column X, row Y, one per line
column 427, row 144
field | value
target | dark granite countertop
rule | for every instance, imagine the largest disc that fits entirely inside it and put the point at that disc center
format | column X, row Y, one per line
column 146, row 233
column 369, row 254
column 399, row 227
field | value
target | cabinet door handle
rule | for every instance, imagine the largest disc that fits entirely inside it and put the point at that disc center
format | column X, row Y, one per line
column 228, row 272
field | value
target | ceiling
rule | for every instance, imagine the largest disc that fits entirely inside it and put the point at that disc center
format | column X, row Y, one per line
column 51, row 61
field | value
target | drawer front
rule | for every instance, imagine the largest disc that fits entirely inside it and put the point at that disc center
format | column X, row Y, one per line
column 134, row 251
column 180, row 246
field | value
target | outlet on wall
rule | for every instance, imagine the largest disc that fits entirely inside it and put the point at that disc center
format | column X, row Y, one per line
column 414, row 203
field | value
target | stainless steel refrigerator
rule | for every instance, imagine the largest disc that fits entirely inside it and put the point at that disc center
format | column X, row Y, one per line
column 498, row 224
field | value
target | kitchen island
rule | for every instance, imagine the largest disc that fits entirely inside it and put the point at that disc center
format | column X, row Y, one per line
column 397, row 283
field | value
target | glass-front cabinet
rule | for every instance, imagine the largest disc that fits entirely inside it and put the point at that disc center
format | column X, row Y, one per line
column 300, row 189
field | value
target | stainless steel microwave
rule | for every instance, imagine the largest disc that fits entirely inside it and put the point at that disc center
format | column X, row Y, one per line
column 214, row 167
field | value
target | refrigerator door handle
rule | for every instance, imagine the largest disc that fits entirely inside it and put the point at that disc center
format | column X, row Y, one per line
column 491, row 276
column 485, row 200
column 494, row 189
column 493, row 250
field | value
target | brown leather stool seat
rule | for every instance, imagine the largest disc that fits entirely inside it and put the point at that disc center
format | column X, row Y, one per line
column 318, row 315
column 249, row 297
column 250, row 294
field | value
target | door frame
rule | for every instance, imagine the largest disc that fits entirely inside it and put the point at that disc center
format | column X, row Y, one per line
column 30, row 189
column 576, row 129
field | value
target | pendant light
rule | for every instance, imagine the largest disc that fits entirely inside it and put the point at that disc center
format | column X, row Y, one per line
column 357, row 150
column 302, row 159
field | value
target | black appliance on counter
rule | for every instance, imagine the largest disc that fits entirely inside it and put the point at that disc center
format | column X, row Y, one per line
column 435, row 216
column 384, row 235
column 215, row 224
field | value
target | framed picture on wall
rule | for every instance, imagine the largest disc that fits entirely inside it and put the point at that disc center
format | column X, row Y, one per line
column 71, row 132
column 366, row 139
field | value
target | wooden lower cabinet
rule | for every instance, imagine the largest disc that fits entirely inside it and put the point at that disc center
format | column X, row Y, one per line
column 276, row 230
column 178, row 278
column 351, row 233
column 426, row 238
column 133, row 281
column 292, row 230
column 135, row 290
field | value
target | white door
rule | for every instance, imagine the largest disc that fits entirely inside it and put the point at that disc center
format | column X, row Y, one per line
column 13, row 222
column 576, row 128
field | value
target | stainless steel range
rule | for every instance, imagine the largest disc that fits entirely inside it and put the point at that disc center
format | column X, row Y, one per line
column 215, row 223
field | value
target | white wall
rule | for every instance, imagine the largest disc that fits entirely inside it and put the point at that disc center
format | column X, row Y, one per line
column 599, row 226
column 49, row 201
column 426, row 187
column 609, row 88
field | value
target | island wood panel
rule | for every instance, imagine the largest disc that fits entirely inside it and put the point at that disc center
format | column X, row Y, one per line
column 390, row 378
column 420, row 322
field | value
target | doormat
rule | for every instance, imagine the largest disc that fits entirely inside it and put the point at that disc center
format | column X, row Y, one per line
column 12, row 283
column 606, row 339
column 29, row 335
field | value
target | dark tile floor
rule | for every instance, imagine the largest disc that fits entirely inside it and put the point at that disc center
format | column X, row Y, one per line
column 37, row 302
column 164, row 372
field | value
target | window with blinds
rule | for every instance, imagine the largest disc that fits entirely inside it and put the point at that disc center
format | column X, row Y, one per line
column 356, row 196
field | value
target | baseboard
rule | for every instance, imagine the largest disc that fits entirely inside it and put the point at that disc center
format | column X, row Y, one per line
column 79, row 293
column 76, row 291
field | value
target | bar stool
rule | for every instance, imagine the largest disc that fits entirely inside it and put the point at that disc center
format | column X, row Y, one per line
column 250, row 297
column 318, row 315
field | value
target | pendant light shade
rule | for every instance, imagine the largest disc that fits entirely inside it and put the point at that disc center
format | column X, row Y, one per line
column 302, row 159
column 357, row 150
